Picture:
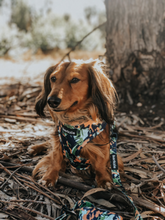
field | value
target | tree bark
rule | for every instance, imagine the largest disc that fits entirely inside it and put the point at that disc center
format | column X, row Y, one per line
column 135, row 48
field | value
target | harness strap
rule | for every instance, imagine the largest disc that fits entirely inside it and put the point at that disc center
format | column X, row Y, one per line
column 74, row 138
column 115, row 171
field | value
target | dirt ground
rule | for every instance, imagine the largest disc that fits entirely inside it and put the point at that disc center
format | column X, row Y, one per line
column 141, row 144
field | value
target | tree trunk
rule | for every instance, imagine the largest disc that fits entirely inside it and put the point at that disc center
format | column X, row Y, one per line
column 135, row 48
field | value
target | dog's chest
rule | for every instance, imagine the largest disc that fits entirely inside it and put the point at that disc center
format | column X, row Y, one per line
column 74, row 138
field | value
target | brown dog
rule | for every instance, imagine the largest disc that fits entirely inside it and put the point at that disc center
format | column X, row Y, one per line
column 78, row 93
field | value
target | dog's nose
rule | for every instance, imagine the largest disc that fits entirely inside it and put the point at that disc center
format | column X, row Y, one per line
column 54, row 101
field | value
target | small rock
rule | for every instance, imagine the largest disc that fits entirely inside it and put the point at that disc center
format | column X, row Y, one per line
column 139, row 104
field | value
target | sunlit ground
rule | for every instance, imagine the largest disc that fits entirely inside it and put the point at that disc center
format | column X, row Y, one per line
column 33, row 66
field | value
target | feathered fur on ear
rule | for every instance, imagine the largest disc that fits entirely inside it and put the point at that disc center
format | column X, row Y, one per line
column 102, row 92
column 41, row 100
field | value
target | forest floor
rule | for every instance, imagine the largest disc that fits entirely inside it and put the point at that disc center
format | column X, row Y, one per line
column 141, row 144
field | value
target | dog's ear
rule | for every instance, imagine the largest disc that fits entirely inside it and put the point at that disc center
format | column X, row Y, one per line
column 102, row 92
column 41, row 100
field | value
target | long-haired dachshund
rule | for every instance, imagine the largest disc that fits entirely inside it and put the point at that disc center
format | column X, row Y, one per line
column 81, row 101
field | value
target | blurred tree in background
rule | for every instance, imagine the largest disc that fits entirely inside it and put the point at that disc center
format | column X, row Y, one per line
column 1, row 1
column 89, row 13
column 95, row 17
column 45, row 30
column 21, row 14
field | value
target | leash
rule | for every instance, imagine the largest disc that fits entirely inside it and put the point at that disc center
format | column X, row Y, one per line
column 84, row 210
column 115, row 171
column 87, row 210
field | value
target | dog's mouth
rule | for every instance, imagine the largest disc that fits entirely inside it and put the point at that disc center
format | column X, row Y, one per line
column 63, row 110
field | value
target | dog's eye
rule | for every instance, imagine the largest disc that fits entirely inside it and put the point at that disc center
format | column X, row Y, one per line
column 74, row 80
column 53, row 78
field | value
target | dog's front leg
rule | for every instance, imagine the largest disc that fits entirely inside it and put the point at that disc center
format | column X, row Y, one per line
column 48, row 167
column 102, row 177
column 99, row 160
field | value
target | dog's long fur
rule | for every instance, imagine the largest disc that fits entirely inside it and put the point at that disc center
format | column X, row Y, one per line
column 92, row 97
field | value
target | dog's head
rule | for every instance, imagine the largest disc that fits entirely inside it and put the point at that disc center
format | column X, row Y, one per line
column 77, row 85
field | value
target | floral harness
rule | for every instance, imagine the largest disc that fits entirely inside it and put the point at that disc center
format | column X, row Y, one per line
column 74, row 138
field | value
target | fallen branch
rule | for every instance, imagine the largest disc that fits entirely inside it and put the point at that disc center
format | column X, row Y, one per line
column 74, row 184
column 158, row 164
column 30, row 210
column 12, row 166
column 30, row 201
column 40, row 185
column 10, row 177
column 26, row 119
column 8, row 172
column 149, row 205
column 125, row 133
column 30, row 185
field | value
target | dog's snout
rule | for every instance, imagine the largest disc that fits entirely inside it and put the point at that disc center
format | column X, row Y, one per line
column 54, row 101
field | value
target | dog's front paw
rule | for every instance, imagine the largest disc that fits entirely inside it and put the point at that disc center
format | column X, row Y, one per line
column 47, row 171
column 37, row 148
column 108, row 185
column 49, row 180
column 103, row 182
column 32, row 150
column 105, row 185
column 49, row 176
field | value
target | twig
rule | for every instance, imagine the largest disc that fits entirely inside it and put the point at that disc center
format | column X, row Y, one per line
column 10, row 177
column 26, row 119
column 125, row 133
column 138, row 161
column 149, row 205
column 158, row 165
column 159, row 200
column 8, row 172
column 25, row 177
column 73, row 184
column 12, row 165
column 30, row 201
column 12, row 215
column 40, row 191
column 36, row 199
column 130, row 178
column 30, row 210
column 79, row 42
